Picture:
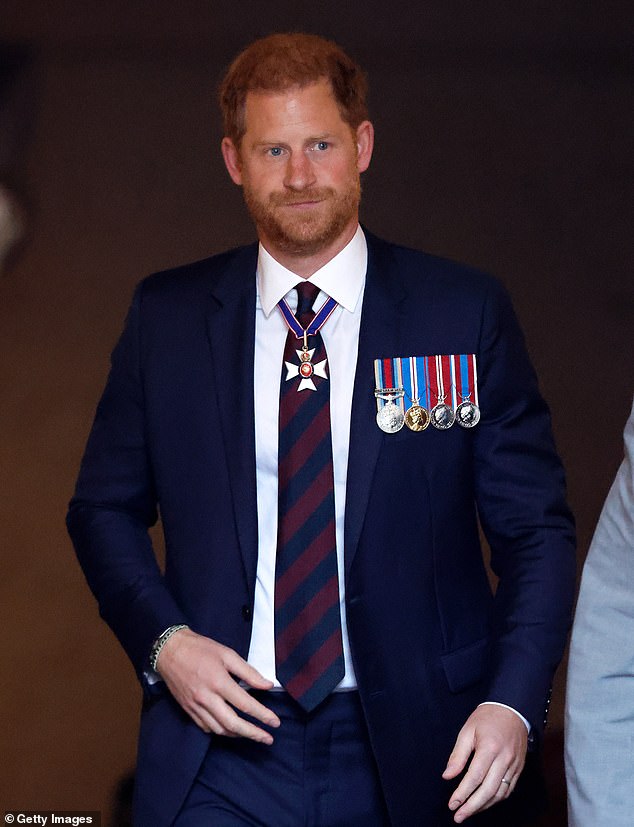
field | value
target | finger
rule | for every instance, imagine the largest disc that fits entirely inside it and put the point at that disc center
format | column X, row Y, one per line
column 484, row 795
column 511, row 777
column 463, row 748
column 476, row 777
column 224, row 721
column 210, row 725
column 244, row 671
column 232, row 725
column 507, row 785
column 205, row 721
column 503, row 793
column 213, row 711
column 239, row 698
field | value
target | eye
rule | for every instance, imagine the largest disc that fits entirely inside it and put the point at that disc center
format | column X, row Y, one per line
column 275, row 151
column 322, row 145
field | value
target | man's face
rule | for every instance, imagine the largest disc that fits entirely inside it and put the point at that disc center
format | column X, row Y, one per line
column 299, row 164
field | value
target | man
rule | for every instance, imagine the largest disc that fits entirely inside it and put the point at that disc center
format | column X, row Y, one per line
column 325, row 646
column 600, row 696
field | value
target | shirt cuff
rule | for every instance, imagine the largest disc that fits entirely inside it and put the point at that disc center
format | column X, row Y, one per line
column 152, row 677
column 519, row 715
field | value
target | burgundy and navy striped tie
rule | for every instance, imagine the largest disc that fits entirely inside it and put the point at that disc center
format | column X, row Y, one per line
column 308, row 647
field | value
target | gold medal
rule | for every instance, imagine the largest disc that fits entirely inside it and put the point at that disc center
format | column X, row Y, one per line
column 417, row 418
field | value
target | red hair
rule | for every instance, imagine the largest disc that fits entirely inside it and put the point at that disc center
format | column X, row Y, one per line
column 281, row 61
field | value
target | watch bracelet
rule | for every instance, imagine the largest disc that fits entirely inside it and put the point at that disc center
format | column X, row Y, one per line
column 161, row 640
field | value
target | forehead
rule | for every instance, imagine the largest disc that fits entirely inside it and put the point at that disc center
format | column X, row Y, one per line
column 311, row 107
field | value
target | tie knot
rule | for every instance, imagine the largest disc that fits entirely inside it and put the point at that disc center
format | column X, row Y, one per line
column 307, row 292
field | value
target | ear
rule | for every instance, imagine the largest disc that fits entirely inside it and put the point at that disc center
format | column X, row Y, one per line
column 232, row 161
column 365, row 145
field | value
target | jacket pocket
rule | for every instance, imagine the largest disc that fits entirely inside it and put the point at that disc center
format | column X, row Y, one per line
column 467, row 665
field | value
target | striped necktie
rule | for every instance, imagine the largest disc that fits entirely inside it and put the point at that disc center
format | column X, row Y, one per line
column 308, row 647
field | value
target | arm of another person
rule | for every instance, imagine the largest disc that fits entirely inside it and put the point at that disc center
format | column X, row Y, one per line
column 114, row 505
column 520, row 492
column 600, row 693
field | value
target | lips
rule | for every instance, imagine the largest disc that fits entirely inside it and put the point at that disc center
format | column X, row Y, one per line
column 304, row 199
column 300, row 204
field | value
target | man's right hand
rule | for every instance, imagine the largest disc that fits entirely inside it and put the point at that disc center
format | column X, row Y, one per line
column 200, row 674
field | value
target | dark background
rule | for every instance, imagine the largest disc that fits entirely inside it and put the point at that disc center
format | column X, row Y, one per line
column 504, row 139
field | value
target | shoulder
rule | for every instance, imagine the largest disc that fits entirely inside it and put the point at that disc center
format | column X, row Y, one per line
column 235, row 267
column 417, row 270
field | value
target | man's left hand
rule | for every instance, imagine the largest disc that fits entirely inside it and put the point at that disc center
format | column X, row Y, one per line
column 497, row 739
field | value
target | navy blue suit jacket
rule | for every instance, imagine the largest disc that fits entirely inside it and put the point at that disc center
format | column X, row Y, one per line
column 174, row 432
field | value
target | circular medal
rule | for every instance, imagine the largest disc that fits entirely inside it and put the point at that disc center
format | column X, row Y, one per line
column 467, row 414
column 417, row 418
column 306, row 370
column 390, row 418
column 442, row 416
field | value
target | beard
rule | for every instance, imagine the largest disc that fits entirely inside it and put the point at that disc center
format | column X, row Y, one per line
column 304, row 234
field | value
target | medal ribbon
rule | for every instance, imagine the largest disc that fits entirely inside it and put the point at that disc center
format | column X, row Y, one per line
column 467, row 377
column 441, row 375
column 448, row 380
column 397, row 373
column 420, row 374
column 321, row 317
column 429, row 379
column 378, row 374
column 391, row 374
column 473, row 377
column 432, row 379
column 409, row 378
column 388, row 376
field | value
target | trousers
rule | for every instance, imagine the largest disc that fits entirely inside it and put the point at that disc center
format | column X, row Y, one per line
column 319, row 772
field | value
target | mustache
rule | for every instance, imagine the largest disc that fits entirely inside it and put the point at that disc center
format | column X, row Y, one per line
column 282, row 199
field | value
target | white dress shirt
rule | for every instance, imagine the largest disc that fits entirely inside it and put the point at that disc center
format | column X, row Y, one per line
column 342, row 278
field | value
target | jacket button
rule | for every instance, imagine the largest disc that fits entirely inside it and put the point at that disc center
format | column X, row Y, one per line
column 246, row 612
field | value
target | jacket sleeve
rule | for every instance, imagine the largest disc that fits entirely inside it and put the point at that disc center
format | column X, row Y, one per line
column 115, row 504
column 600, row 695
column 520, row 493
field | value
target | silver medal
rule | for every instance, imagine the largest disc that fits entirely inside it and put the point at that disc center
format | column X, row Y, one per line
column 467, row 414
column 442, row 416
column 390, row 418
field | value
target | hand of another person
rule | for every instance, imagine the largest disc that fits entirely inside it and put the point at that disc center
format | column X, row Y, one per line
column 199, row 672
column 497, row 739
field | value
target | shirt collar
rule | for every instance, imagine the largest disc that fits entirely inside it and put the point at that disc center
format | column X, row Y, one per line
column 343, row 277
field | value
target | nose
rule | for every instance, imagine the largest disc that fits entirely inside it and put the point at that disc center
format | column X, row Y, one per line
column 299, row 172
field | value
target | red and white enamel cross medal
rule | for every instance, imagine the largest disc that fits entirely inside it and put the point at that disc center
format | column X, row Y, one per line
column 306, row 369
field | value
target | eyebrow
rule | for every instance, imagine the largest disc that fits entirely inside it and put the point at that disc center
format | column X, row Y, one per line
column 326, row 136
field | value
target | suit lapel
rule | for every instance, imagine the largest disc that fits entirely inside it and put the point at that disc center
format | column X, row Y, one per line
column 231, row 332
column 378, row 337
